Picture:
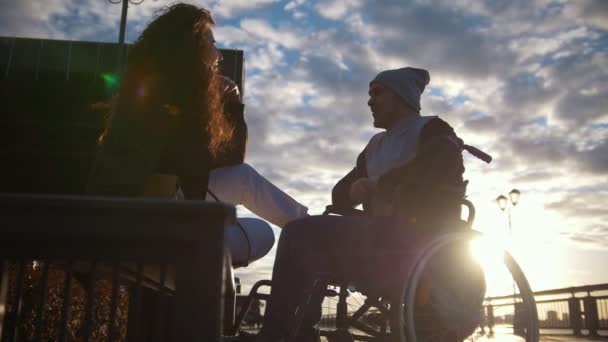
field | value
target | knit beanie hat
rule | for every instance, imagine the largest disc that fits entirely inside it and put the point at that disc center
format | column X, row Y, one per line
column 408, row 83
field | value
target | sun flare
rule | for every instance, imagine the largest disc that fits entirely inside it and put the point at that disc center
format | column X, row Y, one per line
column 531, row 240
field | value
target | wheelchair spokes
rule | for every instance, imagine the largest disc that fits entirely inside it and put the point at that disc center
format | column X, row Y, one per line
column 441, row 300
column 363, row 318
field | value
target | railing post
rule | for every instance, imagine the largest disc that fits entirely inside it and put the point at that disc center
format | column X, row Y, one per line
column 490, row 318
column 520, row 317
column 229, row 296
column 592, row 322
column 342, row 309
column 575, row 315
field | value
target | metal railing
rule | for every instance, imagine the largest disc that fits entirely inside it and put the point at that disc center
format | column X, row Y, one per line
column 580, row 310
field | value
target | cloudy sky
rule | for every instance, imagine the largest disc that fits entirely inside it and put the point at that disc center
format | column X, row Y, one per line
column 526, row 81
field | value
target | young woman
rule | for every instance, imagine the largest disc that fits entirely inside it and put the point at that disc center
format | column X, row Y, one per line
column 174, row 120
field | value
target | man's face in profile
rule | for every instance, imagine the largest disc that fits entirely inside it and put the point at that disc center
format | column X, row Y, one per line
column 385, row 105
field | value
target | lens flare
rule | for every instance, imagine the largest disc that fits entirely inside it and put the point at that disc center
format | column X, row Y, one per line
column 111, row 81
column 487, row 251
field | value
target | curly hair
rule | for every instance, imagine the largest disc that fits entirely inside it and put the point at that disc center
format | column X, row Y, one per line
column 167, row 74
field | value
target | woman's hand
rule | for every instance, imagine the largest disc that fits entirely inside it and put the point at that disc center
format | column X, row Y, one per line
column 230, row 89
column 362, row 189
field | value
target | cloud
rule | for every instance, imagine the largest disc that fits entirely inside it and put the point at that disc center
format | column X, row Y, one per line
column 596, row 159
column 436, row 37
column 265, row 58
column 587, row 204
column 534, row 176
column 292, row 5
column 595, row 237
column 31, row 18
column 527, row 94
column 584, row 209
column 68, row 19
column 230, row 8
column 590, row 12
column 337, row 9
column 516, row 98
column 583, row 108
column 263, row 31
column 481, row 124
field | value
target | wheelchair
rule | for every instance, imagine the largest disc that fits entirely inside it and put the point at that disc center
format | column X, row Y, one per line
column 436, row 294
column 365, row 313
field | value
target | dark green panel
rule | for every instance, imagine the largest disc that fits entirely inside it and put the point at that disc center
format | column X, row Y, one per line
column 84, row 60
column 24, row 59
column 5, row 50
column 108, row 58
column 54, row 59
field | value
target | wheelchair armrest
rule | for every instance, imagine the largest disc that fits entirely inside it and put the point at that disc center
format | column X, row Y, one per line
column 344, row 211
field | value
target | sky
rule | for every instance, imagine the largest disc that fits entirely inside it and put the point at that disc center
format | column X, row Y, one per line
column 525, row 81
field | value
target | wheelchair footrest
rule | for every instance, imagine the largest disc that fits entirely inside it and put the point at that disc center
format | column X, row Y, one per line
column 262, row 296
column 331, row 293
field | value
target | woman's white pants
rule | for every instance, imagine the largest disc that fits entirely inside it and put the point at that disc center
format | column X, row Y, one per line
column 242, row 184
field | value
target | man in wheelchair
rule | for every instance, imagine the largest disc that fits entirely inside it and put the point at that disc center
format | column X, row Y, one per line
column 409, row 179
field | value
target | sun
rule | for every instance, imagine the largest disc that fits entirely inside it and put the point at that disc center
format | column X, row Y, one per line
column 488, row 252
column 531, row 241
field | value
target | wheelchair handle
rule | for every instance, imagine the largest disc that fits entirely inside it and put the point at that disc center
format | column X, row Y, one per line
column 478, row 153
column 344, row 211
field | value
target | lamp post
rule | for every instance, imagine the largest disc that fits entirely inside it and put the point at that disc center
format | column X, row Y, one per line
column 123, row 27
column 506, row 204
column 503, row 203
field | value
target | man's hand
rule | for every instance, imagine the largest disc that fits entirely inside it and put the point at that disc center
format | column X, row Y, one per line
column 362, row 189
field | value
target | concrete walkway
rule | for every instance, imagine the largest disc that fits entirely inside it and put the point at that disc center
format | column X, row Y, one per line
column 571, row 339
column 543, row 338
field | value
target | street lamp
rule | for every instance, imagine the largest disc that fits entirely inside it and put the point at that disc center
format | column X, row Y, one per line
column 505, row 204
column 123, row 27
column 123, row 16
column 514, row 196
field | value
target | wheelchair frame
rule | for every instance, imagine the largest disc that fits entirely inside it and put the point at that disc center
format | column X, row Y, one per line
column 402, row 322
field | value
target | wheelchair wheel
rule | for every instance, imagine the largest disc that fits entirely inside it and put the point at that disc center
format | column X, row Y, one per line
column 362, row 318
column 438, row 304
